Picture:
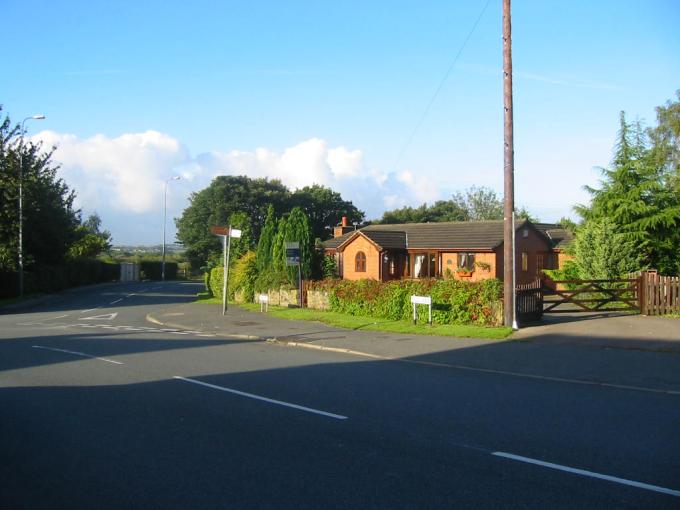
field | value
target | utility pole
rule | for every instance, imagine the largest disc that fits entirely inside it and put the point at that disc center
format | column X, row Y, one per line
column 509, row 174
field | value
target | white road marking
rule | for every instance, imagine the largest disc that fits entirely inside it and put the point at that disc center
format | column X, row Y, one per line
column 103, row 317
column 77, row 354
column 116, row 301
column 591, row 474
column 264, row 399
column 90, row 310
column 129, row 295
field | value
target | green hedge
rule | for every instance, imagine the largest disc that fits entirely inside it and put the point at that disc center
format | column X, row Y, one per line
column 53, row 278
column 453, row 301
column 153, row 270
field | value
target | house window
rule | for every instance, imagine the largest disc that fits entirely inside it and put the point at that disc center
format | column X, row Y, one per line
column 525, row 261
column 360, row 262
column 424, row 265
column 466, row 260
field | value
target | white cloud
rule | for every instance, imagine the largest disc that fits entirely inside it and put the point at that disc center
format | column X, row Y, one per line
column 125, row 173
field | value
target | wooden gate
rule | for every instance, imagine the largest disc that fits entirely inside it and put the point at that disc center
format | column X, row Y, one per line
column 573, row 296
column 529, row 302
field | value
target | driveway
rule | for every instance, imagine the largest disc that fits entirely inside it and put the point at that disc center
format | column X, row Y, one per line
column 606, row 330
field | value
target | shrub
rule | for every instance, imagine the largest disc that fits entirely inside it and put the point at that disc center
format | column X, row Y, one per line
column 153, row 270
column 242, row 277
column 216, row 280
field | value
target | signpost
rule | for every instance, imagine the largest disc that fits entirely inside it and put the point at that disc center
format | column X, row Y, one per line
column 226, row 233
column 264, row 302
column 422, row 300
column 293, row 259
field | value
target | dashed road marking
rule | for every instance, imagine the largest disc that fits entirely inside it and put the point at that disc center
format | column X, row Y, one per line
column 591, row 474
column 263, row 399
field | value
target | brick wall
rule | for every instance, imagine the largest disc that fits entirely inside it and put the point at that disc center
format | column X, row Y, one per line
column 450, row 261
column 372, row 260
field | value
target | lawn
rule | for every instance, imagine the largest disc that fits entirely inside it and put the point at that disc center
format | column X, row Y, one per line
column 342, row 320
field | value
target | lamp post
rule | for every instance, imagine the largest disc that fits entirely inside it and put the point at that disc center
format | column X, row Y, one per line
column 165, row 202
column 21, row 201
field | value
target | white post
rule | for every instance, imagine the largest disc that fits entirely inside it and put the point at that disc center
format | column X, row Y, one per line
column 165, row 204
column 225, row 273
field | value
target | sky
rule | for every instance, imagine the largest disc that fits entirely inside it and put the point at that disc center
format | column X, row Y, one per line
column 389, row 103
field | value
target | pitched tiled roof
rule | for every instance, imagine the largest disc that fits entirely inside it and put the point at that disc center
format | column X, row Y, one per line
column 387, row 239
column 559, row 236
column 460, row 235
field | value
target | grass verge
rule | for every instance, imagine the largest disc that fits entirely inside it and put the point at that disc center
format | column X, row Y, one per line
column 346, row 321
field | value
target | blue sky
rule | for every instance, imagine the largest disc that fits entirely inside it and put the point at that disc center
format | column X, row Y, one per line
column 136, row 92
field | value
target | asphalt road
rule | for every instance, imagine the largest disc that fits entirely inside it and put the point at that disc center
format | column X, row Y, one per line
column 101, row 409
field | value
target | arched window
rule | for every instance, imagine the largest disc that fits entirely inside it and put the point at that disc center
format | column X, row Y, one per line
column 360, row 262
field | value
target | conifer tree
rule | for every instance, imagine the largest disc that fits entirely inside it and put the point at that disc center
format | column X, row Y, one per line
column 265, row 243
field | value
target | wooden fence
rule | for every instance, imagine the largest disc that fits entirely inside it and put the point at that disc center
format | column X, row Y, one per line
column 659, row 295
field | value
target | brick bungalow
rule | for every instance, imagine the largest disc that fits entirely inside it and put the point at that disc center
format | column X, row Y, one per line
column 463, row 250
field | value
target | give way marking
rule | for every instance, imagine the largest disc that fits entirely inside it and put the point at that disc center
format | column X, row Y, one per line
column 76, row 353
column 103, row 317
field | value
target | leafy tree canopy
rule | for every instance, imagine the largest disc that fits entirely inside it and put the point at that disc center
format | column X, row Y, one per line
column 50, row 220
column 229, row 194
column 476, row 203
column 640, row 191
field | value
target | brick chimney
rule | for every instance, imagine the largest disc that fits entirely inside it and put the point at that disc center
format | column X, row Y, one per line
column 343, row 228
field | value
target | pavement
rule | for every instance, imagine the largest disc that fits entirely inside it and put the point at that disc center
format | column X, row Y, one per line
column 628, row 351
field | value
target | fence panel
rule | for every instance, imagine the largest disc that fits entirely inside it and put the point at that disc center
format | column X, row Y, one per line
column 661, row 294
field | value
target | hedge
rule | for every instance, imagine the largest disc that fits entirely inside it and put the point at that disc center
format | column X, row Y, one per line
column 453, row 301
column 153, row 270
column 53, row 278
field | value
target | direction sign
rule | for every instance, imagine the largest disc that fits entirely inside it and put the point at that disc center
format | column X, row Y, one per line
column 293, row 254
column 219, row 231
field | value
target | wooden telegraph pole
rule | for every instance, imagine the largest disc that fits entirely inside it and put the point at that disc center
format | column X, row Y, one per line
column 509, row 171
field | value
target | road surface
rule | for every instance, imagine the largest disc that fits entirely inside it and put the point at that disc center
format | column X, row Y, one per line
column 102, row 409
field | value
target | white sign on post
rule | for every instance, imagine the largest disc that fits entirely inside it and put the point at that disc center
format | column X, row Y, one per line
column 422, row 300
column 264, row 302
column 235, row 233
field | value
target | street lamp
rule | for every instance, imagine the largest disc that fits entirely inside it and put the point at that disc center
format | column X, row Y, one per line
column 165, row 202
column 21, row 201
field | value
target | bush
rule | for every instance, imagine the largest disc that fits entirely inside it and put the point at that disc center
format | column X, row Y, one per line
column 206, row 281
column 453, row 301
column 215, row 281
column 243, row 276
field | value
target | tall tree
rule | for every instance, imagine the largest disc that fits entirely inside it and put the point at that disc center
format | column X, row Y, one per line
column 324, row 209
column 476, row 203
column 50, row 219
column 297, row 230
column 480, row 203
column 265, row 243
column 91, row 240
column 215, row 204
column 279, row 246
column 637, row 195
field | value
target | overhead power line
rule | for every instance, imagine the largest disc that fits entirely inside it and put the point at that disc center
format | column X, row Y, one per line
column 439, row 87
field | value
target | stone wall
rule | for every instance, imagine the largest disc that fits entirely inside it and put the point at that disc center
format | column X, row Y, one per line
column 283, row 297
column 318, row 300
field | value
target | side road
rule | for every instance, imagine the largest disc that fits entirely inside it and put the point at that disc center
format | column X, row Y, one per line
column 632, row 352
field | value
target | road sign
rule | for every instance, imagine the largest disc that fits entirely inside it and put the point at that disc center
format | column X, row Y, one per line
column 223, row 231
column 422, row 300
column 293, row 254
column 219, row 231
